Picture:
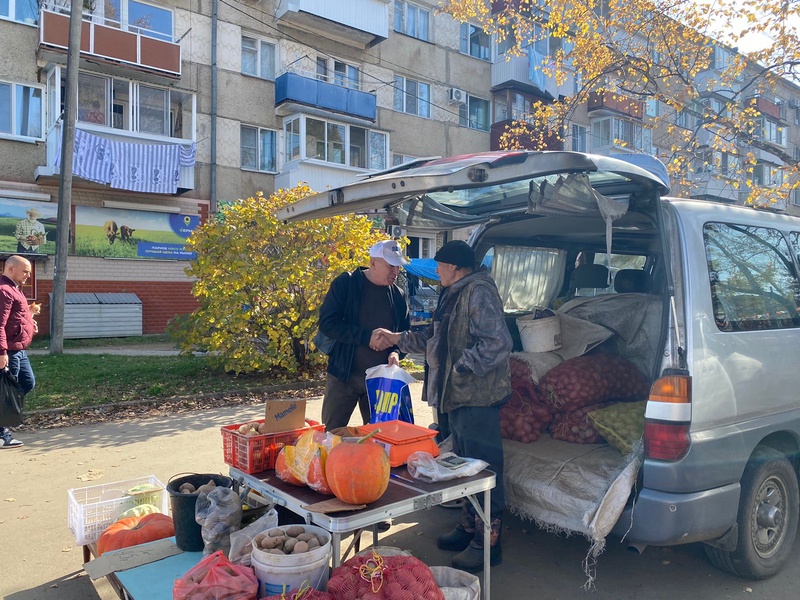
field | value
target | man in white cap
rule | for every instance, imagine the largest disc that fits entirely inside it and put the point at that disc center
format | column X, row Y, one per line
column 30, row 233
column 358, row 303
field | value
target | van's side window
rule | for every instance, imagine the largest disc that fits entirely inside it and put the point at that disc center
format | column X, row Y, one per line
column 752, row 277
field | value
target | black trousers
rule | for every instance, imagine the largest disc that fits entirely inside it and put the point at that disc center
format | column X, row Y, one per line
column 476, row 434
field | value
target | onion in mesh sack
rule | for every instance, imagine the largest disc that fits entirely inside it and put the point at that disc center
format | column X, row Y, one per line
column 377, row 577
column 523, row 417
column 591, row 379
column 575, row 426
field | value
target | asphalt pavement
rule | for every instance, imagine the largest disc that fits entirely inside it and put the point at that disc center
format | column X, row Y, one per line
column 40, row 560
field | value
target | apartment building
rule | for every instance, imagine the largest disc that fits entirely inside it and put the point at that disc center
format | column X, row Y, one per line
column 186, row 105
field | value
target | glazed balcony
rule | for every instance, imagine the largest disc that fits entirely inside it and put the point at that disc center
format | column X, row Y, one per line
column 294, row 91
column 105, row 41
column 357, row 23
column 609, row 103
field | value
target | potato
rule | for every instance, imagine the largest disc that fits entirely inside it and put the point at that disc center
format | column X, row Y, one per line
column 290, row 544
column 313, row 543
column 276, row 532
column 295, row 531
column 304, row 537
column 300, row 548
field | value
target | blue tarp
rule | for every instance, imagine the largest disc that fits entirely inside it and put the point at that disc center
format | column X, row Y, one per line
column 423, row 267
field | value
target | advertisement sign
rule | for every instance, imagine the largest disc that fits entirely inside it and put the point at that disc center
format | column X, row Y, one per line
column 27, row 227
column 116, row 233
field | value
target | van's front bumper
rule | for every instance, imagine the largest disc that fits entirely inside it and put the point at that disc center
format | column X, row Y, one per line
column 667, row 519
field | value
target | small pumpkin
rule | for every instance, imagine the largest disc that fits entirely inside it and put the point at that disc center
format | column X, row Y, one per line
column 133, row 531
column 282, row 466
column 358, row 472
column 317, row 480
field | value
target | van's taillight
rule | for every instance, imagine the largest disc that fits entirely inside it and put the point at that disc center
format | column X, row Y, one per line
column 669, row 412
column 665, row 441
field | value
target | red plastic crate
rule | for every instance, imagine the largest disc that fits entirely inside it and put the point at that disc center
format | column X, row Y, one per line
column 256, row 453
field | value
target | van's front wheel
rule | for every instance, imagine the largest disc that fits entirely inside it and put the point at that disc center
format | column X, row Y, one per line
column 767, row 521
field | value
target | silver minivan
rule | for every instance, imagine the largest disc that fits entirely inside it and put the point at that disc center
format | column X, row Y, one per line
column 702, row 297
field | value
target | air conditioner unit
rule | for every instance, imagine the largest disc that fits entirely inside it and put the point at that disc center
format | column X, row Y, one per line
column 396, row 231
column 458, row 96
column 794, row 103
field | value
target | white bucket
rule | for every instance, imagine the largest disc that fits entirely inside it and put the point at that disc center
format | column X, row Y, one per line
column 539, row 335
column 276, row 572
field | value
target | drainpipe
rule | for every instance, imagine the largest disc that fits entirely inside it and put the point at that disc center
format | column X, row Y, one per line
column 214, row 20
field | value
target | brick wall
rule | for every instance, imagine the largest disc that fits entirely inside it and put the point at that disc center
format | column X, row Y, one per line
column 161, row 301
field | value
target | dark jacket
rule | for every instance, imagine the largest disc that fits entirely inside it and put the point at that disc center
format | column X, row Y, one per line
column 339, row 316
column 467, row 346
column 16, row 321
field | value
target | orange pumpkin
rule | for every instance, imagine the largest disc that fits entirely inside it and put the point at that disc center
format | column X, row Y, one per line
column 357, row 472
column 282, row 470
column 133, row 531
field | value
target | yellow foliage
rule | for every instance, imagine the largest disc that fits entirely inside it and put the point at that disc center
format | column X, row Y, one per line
column 260, row 282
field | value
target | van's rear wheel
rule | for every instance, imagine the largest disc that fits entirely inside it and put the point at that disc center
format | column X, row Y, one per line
column 767, row 521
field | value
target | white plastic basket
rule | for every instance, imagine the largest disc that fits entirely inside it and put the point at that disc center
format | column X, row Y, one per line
column 92, row 509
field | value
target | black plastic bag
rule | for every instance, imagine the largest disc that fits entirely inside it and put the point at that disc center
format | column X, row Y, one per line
column 12, row 400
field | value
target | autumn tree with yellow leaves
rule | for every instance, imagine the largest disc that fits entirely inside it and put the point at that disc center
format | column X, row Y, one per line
column 260, row 282
column 682, row 54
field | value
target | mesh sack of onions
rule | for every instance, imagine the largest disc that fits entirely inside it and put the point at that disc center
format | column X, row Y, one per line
column 531, row 366
column 376, row 577
column 304, row 593
column 576, row 427
column 523, row 418
column 591, row 379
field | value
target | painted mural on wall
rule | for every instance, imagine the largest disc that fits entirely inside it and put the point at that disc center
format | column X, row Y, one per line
column 115, row 233
column 27, row 227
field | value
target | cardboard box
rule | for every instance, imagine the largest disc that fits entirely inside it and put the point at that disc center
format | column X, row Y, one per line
column 284, row 415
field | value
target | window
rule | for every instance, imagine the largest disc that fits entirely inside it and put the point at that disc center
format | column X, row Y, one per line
column 401, row 159
column 475, row 42
column 24, row 11
column 412, row 20
column 474, row 114
column 138, row 17
column 751, row 275
column 412, row 96
column 21, row 111
column 258, row 149
column 292, row 139
column 619, row 133
column 796, row 202
column 651, row 108
column 126, row 105
column 770, row 131
column 311, row 138
column 337, row 72
column 579, row 138
column 258, row 58
column 722, row 58
column 768, row 175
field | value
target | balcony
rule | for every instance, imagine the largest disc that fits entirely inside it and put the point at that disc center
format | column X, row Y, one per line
column 111, row 45
column 357, row 23
column 526, row 142
column 319, row 175
column 767, row 107
column 514, row 73
column 609, row 103
column 293, row 89
column 52, row 171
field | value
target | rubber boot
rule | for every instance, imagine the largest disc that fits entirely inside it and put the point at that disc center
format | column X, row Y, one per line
column 471, row 559
column 460, row 537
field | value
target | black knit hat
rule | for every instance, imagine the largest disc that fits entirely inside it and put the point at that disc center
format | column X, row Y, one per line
column 456, row 253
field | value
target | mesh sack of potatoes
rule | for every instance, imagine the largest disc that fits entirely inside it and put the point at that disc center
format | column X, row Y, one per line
column 622, row 424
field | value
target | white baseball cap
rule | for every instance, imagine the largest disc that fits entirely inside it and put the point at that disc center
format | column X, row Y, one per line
column 390, row 251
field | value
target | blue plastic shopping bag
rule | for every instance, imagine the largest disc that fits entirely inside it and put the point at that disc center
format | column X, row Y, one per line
column 389, row 396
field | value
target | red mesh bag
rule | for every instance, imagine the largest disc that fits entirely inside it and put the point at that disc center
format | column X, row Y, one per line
column 375, row 577
column 523, row 418
column 304, row 593
column 576, row 427
column 591, row 379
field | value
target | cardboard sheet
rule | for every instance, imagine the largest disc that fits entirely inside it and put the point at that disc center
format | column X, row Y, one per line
column 127, row 558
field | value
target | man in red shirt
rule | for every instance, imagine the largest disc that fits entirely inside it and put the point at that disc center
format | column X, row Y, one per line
column 16, row 332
